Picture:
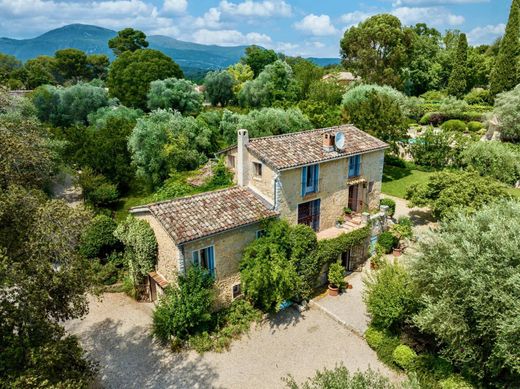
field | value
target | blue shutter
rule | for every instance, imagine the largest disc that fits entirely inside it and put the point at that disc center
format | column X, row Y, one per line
column 358, row 165
column 351, row 167
column 195, row 257
column 304, row 180
column 211, row 260
column 316, row 177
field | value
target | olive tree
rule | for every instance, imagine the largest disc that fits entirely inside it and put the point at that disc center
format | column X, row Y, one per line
column 507, row 110
column 177, row 94
column 219, row 87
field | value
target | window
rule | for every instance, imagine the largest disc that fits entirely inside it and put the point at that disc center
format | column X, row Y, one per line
column 260, row 233
column 309, row 214
column 257, row 169
column 231, row 161
column 237, row 291
column 310, row 179
column 354, row 166
column 370, row 186
column 205, row 258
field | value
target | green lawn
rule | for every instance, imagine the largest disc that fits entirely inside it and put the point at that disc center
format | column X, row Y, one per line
column 396, row 180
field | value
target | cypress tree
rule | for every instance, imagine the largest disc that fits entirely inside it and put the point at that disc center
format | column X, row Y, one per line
column 504, row 75
column 457, row 82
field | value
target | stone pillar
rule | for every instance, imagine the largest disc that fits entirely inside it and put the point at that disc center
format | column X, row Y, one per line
column 242, row 163
column 365, row 217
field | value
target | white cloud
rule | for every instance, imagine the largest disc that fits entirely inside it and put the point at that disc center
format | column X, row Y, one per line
column 353, row 18
column 211, row 19
column 175, row 6
column 229, row 37
column 486, row 34
column 437, row 16
column 267, row 8
column 399, row 3
column 318, row 25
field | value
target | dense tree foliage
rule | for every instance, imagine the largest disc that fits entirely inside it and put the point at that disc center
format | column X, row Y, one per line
column 376, row 110
column 98, row 240
column 505, row 73
column 132, row 72
column 128, row 39
column 71, row 63
column 219, row 87
column 448, row 192
column 241, row 73
column 507, row 111
column 306, row 73
column 467, row 274
column 257, row 58
column 8, row 64
column 438, row 149
column 376, row 49
column 176, row 94
column 457, row 83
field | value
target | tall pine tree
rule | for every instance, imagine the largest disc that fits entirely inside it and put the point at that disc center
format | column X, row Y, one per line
column 504, row 76
column 457, row 82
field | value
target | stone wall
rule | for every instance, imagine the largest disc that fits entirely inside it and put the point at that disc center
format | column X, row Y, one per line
column 372, row 171
column 263, row 184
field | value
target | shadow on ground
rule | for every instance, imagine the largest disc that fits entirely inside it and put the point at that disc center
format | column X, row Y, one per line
column 130, row 359
column 289, row 317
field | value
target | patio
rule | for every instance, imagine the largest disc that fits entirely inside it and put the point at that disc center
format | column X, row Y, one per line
column 356, row 222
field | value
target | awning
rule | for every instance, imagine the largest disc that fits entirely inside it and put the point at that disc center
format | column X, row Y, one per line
column 159, row 279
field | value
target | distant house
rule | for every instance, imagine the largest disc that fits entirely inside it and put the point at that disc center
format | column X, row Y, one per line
column 304, row 178
column 343, row 78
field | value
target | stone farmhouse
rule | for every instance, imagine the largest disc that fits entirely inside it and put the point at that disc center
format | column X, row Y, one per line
column 305, row 177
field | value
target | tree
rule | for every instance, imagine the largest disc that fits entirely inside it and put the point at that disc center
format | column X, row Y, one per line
column 97, row 66
column 257, row 58
column 97, row 190
column 219, row 87
column 71, row 64
column 376, row 110
column 43, row 282
column 185, row 309
column 468, row 275
column 41, row 70
column 504, row 76
column 128, row 39
column 448, row 192
column 140, row 247
column 306, row 73
column 457, row 83
column 275, row 83
column 507, row 111
column 263, row 122
column 241, row 73
column 437, row 149
column 8, row 64
column 376, row 49
column 179, row 95
column 98, row 240
column 132, row 72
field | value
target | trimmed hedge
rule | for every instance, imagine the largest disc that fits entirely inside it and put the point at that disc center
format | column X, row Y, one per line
column 404, row 357
column 437, row 118
column 454, row 125
column 330, row 249
column 374, row 337
column 475, row 126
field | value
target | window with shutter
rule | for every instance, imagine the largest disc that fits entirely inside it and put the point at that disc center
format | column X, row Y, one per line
column 310, row 179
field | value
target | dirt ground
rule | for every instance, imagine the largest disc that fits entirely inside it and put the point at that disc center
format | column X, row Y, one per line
column 116, row 334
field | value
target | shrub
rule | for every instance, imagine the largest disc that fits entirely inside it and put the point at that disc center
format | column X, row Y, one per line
column 454, row 125
column 508, row 113
column 451, row 107
column 433, row 365
column 336, row 275
column 97, row 190
column 390, row 296
column 478, row 96
column 201, row 342
column 374, row 337
column 474, row 126
column 98, row 240
column 433, row 95
column 387, row 242
column 404, row 357
column 402, row 229
column 386, row 349
column 455, row 381
column 184, row 310
column 391, row 205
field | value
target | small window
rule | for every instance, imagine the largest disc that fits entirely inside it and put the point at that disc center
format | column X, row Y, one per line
column 354, row 166
column 237, row 291
column 370, row 186
column 257, row 169
column 260, row 233
column 231, row 161
column 205, row 258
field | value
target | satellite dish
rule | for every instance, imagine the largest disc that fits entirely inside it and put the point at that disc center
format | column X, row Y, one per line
column 339, row 140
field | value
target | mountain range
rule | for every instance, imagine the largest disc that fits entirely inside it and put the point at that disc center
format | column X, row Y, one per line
column 192, row 57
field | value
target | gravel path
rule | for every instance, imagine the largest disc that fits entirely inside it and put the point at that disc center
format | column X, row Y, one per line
column 116, row 333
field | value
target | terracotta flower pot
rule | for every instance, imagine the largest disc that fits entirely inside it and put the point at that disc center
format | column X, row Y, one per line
column 349, row 286
column 397, row 252
column 333, row 291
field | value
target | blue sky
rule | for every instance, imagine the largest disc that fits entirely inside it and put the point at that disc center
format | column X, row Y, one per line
column 304, row 27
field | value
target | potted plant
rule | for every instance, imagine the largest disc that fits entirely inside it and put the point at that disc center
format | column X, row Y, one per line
column 339, row 222
column 348, row 212
column 336, row 278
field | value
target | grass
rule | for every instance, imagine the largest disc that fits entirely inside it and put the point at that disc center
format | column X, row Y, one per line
column 514, row 192
column 396, row 180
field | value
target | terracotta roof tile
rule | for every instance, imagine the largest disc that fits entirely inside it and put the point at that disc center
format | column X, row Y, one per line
column 194, row 217
column 304, row 148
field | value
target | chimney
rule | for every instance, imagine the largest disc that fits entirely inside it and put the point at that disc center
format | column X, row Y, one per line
column 328, row 142
column 242, row 160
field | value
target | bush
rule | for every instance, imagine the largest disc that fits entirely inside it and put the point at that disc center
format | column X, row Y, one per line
column 391, row 205
column 508, row 113
column 390, row 296
column 478, row 96
column 97, row 190
column 98, row 240
column 434, row 366
column 404, row 357
column 455, row 381
column 475, row 126
column 451, row 107
column 454, row 126
column 386, row 349
column 374, row 337
column 387, row 242
column 433, row 95
column 336, row 275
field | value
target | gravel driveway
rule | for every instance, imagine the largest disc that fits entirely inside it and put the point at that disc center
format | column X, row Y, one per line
column 116, row 333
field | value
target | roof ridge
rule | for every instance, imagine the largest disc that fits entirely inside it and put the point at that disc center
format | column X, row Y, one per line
column 323, row 129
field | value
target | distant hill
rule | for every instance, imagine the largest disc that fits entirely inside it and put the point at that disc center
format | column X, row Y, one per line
column 325, row 61
column 193, row 58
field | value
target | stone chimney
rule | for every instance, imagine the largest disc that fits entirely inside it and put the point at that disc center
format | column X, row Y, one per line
column 328, row 142
column 242, row 160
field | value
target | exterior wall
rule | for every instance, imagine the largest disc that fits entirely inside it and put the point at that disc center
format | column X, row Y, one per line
column 228, row 250
column 265, row 184
column 168, row 252
column 372, row 171
column 234, row 153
